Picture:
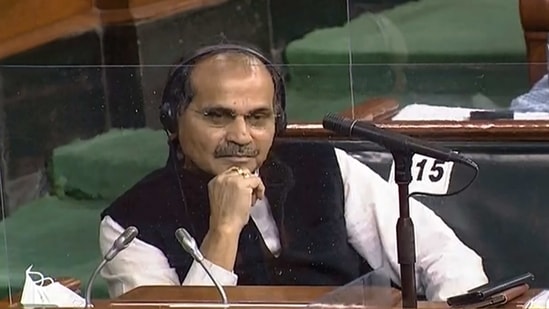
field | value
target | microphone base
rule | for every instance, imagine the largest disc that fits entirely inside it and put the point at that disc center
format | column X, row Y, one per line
column 405, row 230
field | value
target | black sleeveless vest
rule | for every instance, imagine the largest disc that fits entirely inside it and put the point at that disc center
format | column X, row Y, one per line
column 305, row 192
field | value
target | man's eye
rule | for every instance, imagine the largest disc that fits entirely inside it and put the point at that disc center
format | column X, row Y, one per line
column 260, row 119
column 213, row 115
column 217, row 117
column 261, row 116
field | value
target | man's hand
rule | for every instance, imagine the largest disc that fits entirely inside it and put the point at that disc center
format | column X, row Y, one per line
column 232, row 194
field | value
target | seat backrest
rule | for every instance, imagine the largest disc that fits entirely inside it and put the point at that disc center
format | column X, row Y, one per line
column 534, row 16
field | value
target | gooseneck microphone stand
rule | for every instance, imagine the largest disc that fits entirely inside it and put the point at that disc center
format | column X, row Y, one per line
column 406, row 249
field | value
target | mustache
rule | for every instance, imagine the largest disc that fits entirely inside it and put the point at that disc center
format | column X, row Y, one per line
column 235, row 150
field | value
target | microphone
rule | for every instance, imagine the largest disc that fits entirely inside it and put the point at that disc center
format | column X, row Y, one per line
column 119, row 245
column 189, row 245
column 390, row 140
column 121, row 242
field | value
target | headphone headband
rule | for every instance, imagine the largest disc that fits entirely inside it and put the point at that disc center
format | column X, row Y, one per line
column 178, row 80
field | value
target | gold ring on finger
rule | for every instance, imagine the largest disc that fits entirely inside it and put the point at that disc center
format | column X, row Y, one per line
column 243, row 173
column 236, row 169
column 240, row 171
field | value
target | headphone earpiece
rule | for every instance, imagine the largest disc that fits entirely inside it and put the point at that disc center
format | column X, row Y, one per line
column 168, row 118
column 169, row 105
column 281, row 121
column 280, row 124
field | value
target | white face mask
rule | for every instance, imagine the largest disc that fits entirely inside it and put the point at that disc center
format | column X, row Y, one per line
column 43, row 291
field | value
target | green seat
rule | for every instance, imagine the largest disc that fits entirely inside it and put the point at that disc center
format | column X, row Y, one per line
column 59, row 234
column 108, row 164
column 445, row 50
column 59, row 237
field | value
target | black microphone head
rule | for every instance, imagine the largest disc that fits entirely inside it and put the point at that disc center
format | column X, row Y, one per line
column 337, row 124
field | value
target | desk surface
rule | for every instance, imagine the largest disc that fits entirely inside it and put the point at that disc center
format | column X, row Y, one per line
column 286, row 294
column 174, row 297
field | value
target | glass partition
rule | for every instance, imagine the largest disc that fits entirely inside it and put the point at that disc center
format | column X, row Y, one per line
column 432, row 53
column 79, row 119
column 66, row 162
column 5, row 290
column 48, row 222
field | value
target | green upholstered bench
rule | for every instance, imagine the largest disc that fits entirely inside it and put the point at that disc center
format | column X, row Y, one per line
column 453, row 52
column 59, row 237
column 58, row 234
column 108, row 164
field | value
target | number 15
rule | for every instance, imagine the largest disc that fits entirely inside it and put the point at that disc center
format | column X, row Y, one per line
column 436, row 170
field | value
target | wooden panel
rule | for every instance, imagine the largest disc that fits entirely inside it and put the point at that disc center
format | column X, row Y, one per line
column 376, row 109
column 490, row 131
column 534, row 17
column 536, row 50
column 123, row 11
column 20, row 16
column 149, row 8
column 135, row 3
column 111, row 4
column 25, row 24
column 295, row 294
column 60, row 29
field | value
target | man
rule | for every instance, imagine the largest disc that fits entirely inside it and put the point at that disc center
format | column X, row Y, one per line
column 284, row 213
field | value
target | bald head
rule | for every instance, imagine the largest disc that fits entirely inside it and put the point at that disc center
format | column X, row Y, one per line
column 220, row 74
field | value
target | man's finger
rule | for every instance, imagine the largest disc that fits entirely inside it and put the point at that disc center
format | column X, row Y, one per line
column 256, row 184
column 260, row 190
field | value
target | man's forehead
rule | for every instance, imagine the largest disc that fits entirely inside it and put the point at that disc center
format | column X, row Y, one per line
column 234, row 82
column 228, row 61
column 235, row 107
column 231, row 57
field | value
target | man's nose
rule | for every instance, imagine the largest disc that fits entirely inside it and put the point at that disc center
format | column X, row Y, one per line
column 238, row 131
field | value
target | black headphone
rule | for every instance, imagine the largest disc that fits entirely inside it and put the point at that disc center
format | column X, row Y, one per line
column 179, row 78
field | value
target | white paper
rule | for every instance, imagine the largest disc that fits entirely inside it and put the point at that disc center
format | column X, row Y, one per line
column 433, row 112
column 429, row 175
column 446, row 113
column 541, row 300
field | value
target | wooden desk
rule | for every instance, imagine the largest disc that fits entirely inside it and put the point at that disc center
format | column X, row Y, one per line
column 247, row 296
column 286, row 294
column 282, row 297
column 256, row 297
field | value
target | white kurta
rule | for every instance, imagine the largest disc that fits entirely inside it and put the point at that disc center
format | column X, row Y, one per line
column 444, row 265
